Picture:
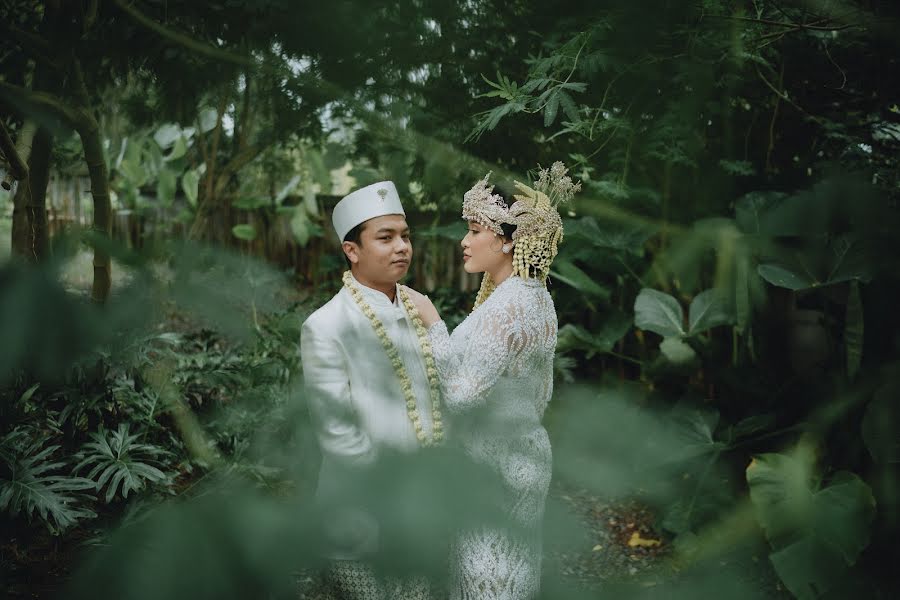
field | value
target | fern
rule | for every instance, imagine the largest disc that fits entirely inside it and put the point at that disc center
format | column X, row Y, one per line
column 120, row 463
column 28, row 485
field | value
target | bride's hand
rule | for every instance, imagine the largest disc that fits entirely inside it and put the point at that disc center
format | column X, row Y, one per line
column 426, row 309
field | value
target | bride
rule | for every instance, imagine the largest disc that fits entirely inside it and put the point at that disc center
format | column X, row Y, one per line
column 496, row 373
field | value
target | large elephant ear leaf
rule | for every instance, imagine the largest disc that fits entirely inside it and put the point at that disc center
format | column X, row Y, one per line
column 817, row 534
column 658, row 312
column 781, row 494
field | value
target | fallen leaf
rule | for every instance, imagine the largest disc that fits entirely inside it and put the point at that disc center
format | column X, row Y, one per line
column 637, row 540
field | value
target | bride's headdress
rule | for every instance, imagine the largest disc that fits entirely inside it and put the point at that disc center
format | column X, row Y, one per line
column 484, row 207
column 534, row 213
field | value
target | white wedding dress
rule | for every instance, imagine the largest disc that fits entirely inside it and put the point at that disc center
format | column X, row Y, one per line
column 496, row 372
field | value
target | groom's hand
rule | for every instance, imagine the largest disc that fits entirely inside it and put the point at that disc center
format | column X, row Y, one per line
column 425, row 307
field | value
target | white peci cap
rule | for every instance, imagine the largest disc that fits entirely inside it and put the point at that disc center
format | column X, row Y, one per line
column 366, row 203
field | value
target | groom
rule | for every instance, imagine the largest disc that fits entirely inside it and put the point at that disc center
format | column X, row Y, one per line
column 370, row 382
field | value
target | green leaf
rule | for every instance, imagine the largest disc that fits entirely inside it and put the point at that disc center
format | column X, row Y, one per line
column 817, row 533
column 742, row 301
column 693, row 429
column 780, row 489
column 781, row 277
column 166, row 186
column 244, row 232
column 179, row 149
column 320, row 173
column 167, row 135
column 133, row 172
column 190, row 182
column 252, row 203
column 751, row 210
column 575, row 337
column 119, row 463
column 207, row 119
column 454, row 231
column 708, row 310
column 844, row 512
column 570, row 274
column 611, row 235
column 551, row 109
column 658, row 312
column 26, row 396
column 300, row 226
column 737, row 167
column 881, row 425
column 575, row 86
column 676, row 351
column 752, row 425
column 808, row 569
column 853, row 330
column 29, row 486
column 287, row 189
column 569, row 107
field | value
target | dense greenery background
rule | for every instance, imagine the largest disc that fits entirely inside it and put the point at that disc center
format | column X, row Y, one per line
column 728, row 351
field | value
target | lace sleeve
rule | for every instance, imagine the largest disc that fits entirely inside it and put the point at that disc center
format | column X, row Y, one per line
column 469, row 370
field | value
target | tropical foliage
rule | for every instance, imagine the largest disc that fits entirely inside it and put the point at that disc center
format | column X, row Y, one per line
column 728, row 345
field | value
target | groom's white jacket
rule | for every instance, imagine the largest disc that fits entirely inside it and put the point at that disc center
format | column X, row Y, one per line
column 353, row 392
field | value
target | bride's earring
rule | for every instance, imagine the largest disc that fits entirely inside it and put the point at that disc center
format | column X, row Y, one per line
column 506, row 248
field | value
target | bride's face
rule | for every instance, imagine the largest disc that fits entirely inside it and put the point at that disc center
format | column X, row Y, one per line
column 482, row 250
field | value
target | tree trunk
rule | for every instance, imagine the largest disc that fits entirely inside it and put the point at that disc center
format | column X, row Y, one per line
column 89, row 131
column 29, row 228
column 36, row 207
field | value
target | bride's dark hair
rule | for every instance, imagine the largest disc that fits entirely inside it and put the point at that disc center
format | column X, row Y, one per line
column 502, row 191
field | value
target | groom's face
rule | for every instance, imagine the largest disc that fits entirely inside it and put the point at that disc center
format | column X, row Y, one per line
column 384, row 250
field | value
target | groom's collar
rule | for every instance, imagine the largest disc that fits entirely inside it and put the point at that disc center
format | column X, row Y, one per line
column 376, row 298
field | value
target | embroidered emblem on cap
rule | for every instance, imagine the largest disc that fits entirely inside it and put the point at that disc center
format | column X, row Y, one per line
column 382, row 193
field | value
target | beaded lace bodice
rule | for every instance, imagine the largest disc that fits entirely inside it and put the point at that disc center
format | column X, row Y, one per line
column 506, row 343
column 496, row 373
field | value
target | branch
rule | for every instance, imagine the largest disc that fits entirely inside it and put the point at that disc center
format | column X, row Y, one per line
column 18, row 169
column 42, row 101
column 33, row 44
column 182, row 39
column 813, row 25
column 237, row 162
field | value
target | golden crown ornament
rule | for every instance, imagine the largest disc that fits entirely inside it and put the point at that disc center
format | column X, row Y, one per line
column 539, row 228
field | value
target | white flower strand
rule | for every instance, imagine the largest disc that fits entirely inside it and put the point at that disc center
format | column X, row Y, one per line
column 437, row 431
